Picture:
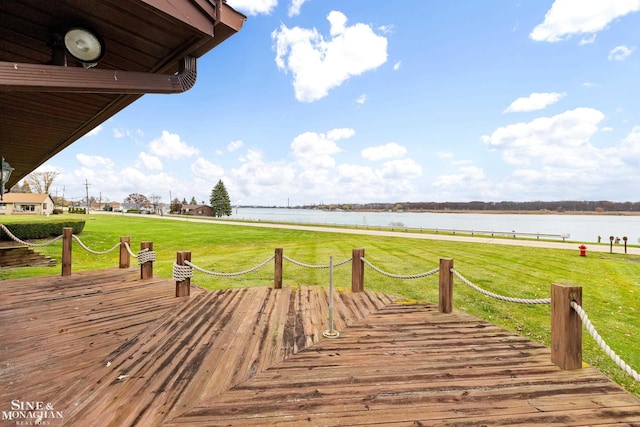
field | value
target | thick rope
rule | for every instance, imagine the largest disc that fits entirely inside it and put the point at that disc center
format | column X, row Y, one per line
column 501, row 297
column 22, row 242
column 603, row 345
column 83, row 246
column 300, row 264
column 182, row 272
column 145, row 256
column 126, row 245
column 240, row 273
column 397, row 276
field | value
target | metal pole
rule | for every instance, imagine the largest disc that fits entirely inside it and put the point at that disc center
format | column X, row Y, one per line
column 331, row 333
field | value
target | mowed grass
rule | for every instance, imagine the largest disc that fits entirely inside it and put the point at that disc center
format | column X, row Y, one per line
column 611, row 282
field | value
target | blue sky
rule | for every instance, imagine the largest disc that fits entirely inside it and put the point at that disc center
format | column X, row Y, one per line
column 416, row 100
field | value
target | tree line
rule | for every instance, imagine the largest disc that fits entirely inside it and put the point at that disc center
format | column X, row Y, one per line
column 552, row 206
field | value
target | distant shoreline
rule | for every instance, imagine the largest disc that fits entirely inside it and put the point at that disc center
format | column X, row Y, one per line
column 612, row 213
column 502, row 212
column 460, row 211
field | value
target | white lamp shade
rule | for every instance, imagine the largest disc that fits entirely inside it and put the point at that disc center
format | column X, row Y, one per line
column 83, row 45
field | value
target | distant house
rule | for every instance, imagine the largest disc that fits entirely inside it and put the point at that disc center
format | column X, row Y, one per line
column 197, row 210
column 26, row 203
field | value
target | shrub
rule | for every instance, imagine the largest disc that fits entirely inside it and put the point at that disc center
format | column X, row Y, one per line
column 41, row 230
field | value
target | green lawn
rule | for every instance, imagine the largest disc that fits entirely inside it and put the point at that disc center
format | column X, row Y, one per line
column 611, row 282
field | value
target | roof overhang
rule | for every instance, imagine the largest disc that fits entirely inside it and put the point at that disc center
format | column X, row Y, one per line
column 151, row 46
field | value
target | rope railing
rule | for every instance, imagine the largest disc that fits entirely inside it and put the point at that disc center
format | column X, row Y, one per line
column 602, row 344
column 218, row 274
column 22, row 242
column 86, row 248
column 300, row 264
column 126, row 245
column 398, row 276
column 144, row 255
column 497, row 296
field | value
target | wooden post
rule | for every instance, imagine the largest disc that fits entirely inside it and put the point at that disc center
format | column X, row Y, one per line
column 67, row 240
column 277, row 275
column 445, row 299
column 566, row 327
column 125, row 258
column 357, row 270
column 183, row 287
column 146, row 269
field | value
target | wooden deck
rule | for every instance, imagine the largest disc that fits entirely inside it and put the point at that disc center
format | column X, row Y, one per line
column 107, row 349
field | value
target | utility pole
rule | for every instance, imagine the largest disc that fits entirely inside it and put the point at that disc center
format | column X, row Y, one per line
column 86, row 186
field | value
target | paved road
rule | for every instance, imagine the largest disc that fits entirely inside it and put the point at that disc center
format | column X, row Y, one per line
column 593, row 247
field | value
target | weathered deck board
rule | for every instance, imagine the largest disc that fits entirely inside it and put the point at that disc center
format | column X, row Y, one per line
column 256, row 356
column 411, row 365
column 54, row 330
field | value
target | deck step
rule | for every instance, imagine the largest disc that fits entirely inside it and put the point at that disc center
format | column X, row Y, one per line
column 23, row 256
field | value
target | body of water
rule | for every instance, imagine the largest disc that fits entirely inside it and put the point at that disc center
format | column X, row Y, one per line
column 585, row 228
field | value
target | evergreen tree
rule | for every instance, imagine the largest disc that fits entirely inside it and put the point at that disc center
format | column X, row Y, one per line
column 220, row 200
column 193, row 201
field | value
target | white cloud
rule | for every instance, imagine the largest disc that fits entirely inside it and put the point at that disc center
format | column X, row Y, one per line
column 466, row 176
column 95, row 131
column 587, row 40
column 170, row 146
column 562, row 139
column 390, row 150
column 620, row 53
column 118, row 133
column 316, row 150
column 569, row 17
column 148, row 162
column 361, row 99
column 629, row 151
column 401, row 169
column 202, row 168
column 340, row 133
column 319, row 65
column 535, row 101
column 254, row 7
column 94, row 161
column 294, row 7
column 261, row 182
column 386, row 29
column 397, row 65
column 235, row 145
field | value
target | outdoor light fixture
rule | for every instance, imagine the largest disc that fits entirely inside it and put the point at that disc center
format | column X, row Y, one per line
column 84, row 45
column 5, row 173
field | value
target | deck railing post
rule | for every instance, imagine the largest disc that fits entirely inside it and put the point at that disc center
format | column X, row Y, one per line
column 67, row 244
column 566, row 327
column 277, row 275
column 183, row 287
column 125, row 258
column 357, row 270
column 146, row 269
column 445, row 298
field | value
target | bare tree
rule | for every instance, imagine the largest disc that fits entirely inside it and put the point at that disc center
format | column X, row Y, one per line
column 40, row 182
